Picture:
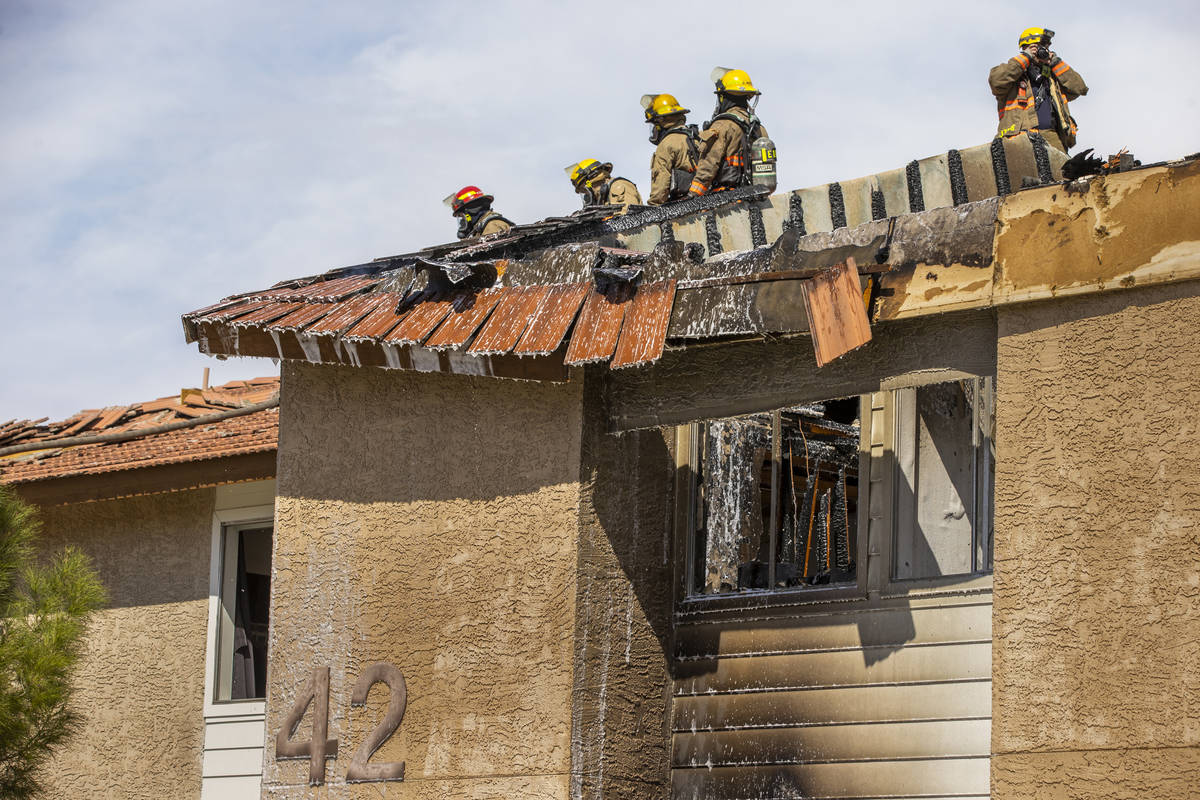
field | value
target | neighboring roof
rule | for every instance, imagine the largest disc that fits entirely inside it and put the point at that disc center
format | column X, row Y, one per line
column 254, row 432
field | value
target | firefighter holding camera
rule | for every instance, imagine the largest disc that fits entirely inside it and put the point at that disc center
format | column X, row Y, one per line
column 1032, row 89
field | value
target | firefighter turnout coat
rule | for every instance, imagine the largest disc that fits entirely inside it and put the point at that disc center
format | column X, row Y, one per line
column 490, row 222
column 722, row 146
column 1012, row 87
column 622, row 192
column 674, row 153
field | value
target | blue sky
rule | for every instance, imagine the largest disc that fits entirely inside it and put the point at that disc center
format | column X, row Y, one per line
column 157, row 156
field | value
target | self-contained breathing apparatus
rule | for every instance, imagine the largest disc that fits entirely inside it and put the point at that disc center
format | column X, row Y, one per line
column 470, row 225
column 756, row 161
column 681, row 179
column 667, row 117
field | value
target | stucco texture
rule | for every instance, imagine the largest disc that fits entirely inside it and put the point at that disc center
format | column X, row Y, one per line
column 1096, row 691
column 140, row 686
column 431, row 522
column 621, row 736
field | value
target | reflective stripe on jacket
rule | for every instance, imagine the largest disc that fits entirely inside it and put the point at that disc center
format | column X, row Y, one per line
column 722, row 149
column 1015, row 102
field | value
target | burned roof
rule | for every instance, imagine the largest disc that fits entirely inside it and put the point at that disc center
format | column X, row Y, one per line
column 47, row 449
column 616, row 290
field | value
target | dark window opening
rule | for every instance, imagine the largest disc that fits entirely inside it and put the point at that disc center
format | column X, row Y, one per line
column 245, row 605
column 776, row 501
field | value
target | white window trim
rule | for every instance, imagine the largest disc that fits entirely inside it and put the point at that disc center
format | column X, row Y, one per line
column 223, row 517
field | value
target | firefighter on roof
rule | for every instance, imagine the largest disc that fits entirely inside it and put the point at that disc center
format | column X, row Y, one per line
column 595, row 182
column 475, row 215
column 1032, row 89
column 727, row 143
column 674, row 161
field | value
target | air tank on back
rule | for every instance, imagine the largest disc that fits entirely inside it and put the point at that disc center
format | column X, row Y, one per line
column 762, row 163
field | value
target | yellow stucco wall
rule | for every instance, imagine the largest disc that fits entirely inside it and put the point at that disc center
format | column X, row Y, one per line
column 431, row 522
column 1097, row 583
column 140, row 686
column 621, row 725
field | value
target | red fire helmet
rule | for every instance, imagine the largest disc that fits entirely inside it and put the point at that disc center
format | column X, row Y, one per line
column 467, row 194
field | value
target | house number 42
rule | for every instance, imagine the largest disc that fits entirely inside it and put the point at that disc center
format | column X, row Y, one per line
column 316, row 694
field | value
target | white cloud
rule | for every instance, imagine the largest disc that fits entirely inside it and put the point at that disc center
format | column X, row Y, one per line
column 157, row 156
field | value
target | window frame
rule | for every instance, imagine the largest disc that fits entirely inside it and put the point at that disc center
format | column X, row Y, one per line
column 877, row 518
column 688, row 441
column 226, row 520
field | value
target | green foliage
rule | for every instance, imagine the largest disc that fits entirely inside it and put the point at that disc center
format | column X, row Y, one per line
column 44, row 612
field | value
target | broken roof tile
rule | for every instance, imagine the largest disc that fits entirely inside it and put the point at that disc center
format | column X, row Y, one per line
column 553, row 319
column 230, row 312
column 420, row 321
column 467, row 315
column 337, row 289
column 345, row 315
column 251, row 433
column 302, row 316
column 379, row 321
column 644, row 330
column 87, row 418
column 265, row 314
column 596, row 331
column 510, row 319
column 111, row 415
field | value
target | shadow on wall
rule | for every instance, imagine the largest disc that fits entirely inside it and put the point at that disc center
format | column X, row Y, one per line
column 148, row 550
column 629, row 483
column 367, row 435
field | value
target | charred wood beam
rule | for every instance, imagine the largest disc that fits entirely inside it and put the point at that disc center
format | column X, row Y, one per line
column 743, row 377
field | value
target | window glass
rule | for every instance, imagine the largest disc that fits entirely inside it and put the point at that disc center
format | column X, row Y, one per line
column 245, row 603
column 945, row 458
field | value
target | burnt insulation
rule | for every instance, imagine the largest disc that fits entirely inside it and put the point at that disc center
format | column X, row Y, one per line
column 807, row 524
column 958, row 178
column 758, row 231
column 840, row 524
column 796, row 214
column 1000, row 168
column 916, row 191
column 878, row 206
column 821, row 554
column 666, row 231
column 837, row 206
column 713, row 234
column 1041, row 157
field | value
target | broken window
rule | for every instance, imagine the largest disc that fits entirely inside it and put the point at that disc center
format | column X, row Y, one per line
column 245, row 603
column 776, row 496
column 776, row 502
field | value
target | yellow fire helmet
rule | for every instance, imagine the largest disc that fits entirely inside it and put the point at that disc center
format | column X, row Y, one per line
column 658, row 106
column 583, row 173
column 732, row 81
column 1033, row 36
